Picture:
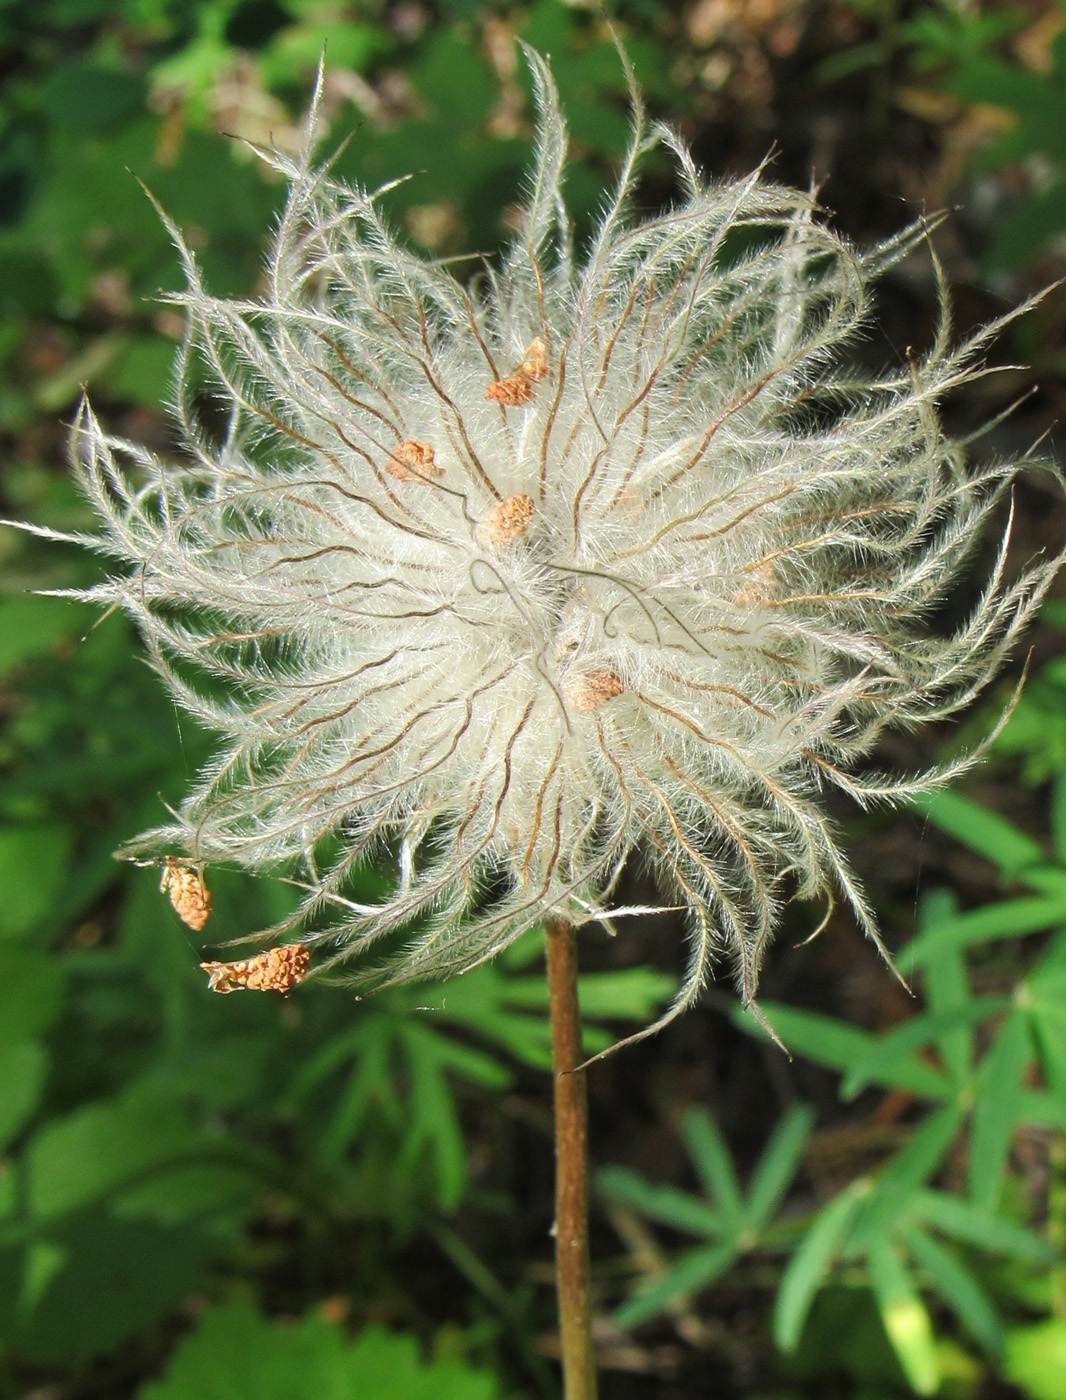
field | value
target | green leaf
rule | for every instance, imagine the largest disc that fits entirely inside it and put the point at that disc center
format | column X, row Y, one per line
column 628, row 994
column 905, row 1318
column 951, row 1216
column 1058, row 815
column 294, row 51
column 144, row 371
column 85, row 97
column 22, row 1074
column 511, row 1011
column 31, row 626
column 1022, row 232
column 1036, row 1359
column 1009, row 918
column 31, row 995
column 958, row 1288
column 666, row 1204
column 106, row 1280
column 896, row 1047
column 778, row 1164
column 1046, row 1110
column 102, row 1147
column 33, row 864
column 913, row 1165
column 947, row 987
column 995, row 1115
column 694, row 1270
column 709, row 1154
column 432, row 1114
column 985, row 832
column 925, row 1149
column 828, row 1042
column 233, row 1354
column 451, row 75
column 809, row 1267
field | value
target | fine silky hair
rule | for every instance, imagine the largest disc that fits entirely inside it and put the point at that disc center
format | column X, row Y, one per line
column 507, row 578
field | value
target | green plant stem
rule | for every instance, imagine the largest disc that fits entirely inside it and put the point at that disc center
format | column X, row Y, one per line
column 571, row 1168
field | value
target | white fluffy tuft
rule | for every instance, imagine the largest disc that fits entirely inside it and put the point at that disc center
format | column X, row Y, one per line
column 606, row 553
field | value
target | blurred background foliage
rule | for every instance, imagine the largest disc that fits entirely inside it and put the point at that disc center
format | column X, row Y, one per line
column 264, row 1199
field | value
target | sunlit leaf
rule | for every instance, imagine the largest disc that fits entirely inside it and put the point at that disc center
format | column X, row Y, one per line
column 958, row 1288
column 1036, row 1359
column 905, row 1318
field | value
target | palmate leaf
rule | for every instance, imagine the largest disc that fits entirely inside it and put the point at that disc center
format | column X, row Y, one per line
column 403, row 1055
column 735, row 1220
column 510, row 1010
column 667, row 1204
column 890, row 1234
column 901, row 1044
column 1018, row 858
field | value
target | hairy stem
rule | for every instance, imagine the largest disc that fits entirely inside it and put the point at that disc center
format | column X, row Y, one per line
column 571, row 1168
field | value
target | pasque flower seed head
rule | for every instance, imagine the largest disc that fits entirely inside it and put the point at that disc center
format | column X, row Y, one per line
column 607, row 551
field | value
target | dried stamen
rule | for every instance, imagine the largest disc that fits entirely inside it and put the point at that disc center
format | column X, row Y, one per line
column 276, row 970
column 534, row 366
column 188, row 893
column 413, row 461
column 517, row 387
column 507, row 521
column 589, row 691
column 757, row 587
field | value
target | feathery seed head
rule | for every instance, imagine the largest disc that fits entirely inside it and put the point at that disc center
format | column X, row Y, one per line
column 607, row 552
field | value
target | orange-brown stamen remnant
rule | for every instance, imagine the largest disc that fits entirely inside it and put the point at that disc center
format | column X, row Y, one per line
column 513, row 391
column 757, row 587
column 413, row 461
column 507, row 521
column 593, row 689
column 188, row 893
column 517, row 388
column 534, row 365
column 276, row 970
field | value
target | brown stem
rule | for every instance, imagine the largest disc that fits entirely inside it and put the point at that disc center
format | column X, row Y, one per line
column 571, row 1168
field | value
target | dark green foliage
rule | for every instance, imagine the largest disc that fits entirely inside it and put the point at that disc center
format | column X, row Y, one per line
column 987, row 1066
column 160, row 1144
column 234, row 1355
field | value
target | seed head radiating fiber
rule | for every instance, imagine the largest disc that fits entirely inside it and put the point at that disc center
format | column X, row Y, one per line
column 604, row 552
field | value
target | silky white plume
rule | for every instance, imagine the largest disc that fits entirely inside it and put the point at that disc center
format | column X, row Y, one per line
column 606, row 552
